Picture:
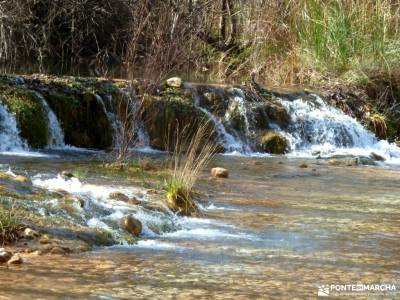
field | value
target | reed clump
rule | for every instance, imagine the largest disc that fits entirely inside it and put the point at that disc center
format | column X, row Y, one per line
column 190, row 155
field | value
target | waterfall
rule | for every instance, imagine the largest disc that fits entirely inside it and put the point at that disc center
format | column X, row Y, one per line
column 9, row 133
column 317, row 128
column 56, row 134
column 311, row 127
column 231, row 143
column 141, row 139
column 112, row 118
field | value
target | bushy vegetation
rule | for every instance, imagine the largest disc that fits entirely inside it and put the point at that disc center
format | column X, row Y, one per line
column 281, row 41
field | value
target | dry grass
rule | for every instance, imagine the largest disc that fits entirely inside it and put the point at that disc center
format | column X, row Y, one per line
column 190, row 156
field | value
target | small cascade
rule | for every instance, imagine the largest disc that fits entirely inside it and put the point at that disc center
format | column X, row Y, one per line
column 237, row 106
column 317, row 128
column 56, row 134
column 104, row 212
column 111, row 116
column 9, row 133
column 230, row 142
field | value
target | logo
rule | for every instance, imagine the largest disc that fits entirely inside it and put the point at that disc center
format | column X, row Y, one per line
column 323, row 291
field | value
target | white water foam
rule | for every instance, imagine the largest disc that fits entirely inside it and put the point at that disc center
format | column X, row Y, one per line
column 104, row 213
column 319, row 129
column 10, row 140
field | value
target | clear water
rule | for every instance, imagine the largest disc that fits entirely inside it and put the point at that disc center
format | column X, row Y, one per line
column 272, row 230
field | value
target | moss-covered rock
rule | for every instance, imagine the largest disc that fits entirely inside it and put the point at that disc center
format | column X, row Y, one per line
column 164, row 117
column 269, row 113
column 273, row 142
column 82, row 118
column 30, row 114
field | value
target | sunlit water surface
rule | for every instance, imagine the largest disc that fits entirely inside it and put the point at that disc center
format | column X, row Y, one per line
column 272, row 230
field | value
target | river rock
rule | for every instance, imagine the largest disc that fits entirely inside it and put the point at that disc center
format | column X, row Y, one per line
column 22, row 179
column 57, row 250
column 219, row 172
column 44, row 239
column 16, row 259
column 273, row 142
column 118, row 196
column 174, row 82
column 5, row 255
column 67, row 174
column 131, row 225
column 376, row 157
column 30, row 233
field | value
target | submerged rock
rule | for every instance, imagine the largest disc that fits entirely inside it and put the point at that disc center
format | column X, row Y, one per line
column 219, row 172
column 131, row 225
column 124, row 198
column 118, row 196
column 57, row 250
column 377, row 157
column 16, row 259
column 349, row 162
column 273, row 142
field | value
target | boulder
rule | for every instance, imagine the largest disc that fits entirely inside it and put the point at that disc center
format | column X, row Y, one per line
column 16, row 259
column 219, row 172
column 174, row 82
column 273, row 142
column 5, row 255
column 131, row 225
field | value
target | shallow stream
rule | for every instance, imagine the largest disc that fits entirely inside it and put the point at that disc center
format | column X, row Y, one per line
column 271, row 230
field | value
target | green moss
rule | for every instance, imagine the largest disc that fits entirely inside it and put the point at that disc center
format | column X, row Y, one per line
column 273, row 142
column 163, row 117
column 82, row 118
column 30, row 114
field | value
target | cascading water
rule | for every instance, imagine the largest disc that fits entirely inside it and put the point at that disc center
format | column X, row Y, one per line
column 112, row 118
column 56, row 134
column 100, row 211
column 230, row 142
column 237, row 105
column 317, row 128
column 9, row 133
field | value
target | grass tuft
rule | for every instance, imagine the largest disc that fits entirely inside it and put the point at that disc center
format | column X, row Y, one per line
column 10, row 222
column 190, row 155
